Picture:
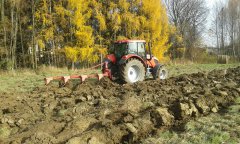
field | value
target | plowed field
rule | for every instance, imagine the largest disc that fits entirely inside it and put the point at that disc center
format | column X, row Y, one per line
column 106, row 112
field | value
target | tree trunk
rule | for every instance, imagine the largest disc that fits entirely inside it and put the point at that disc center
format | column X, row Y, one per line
column 73, row 66
column 4, row 29
column 233, row 42
column 12, row 37
column 34, row 55
column 21, row 37
column 15, row 39
column 216, row 24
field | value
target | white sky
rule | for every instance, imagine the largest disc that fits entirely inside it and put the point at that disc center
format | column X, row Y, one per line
column 207, row 37
column 211, row 2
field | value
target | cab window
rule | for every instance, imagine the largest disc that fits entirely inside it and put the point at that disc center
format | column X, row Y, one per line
column 141, row 49
column 132, row 48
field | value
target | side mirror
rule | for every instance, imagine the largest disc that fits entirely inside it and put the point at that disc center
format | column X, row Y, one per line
column 148, row 56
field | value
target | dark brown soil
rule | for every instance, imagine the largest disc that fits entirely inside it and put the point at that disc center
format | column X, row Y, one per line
column 106, row 112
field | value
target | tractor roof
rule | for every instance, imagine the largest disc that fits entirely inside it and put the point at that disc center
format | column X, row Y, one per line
column 128, row 41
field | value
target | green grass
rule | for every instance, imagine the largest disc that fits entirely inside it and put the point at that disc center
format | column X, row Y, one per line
column 26, row 80
column 175, row 70
column 212, row 129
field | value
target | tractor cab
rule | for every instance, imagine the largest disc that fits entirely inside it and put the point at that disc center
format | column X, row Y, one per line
column 126, row 47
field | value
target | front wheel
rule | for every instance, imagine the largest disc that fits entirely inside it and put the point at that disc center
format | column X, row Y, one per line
column 133, row 71
column 161, row 73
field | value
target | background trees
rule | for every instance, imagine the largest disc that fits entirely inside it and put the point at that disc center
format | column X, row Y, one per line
column 66, row 32
column 188, row 18
column 72, row 32
column 226, row 28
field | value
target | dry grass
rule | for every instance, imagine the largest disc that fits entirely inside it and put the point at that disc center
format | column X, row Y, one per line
column 26, row 80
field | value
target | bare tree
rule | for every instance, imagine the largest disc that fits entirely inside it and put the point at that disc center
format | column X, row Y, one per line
column 226, row 25
column 223, row 30
column 238, row 28
column 215, row 23
column 232, row 23
column 4, row 31
column 188, row 16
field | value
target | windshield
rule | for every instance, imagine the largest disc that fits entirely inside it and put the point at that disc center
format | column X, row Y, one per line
column 137, row 48
column 120, row 49
column 132, row 48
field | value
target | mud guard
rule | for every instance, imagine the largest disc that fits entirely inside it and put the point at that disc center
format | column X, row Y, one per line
column 124, row 59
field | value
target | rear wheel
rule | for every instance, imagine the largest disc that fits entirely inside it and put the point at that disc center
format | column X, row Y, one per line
column 161, row 73
column 133, row 71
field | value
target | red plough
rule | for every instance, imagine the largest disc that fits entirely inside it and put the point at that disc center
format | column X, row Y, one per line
column 82, row 78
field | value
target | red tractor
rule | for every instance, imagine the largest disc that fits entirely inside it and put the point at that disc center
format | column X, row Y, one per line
column 128, row 61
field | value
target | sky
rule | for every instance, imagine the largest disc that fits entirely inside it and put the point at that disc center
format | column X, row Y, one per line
column 209, row 40
column 211, row 2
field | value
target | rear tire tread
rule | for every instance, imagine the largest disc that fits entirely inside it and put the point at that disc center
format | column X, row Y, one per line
column 124, row 70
